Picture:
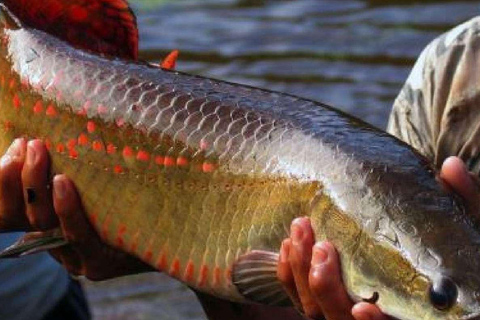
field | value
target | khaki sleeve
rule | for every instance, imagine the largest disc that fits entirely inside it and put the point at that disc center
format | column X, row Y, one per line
column 438, row 109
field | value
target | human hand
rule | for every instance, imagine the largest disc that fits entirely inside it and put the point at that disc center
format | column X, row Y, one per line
column 461, row 181
column 310, row 271
column 28, row 203
column 12, row 207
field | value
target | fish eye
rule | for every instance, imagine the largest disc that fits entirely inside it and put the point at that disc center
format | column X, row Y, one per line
column 443, row 294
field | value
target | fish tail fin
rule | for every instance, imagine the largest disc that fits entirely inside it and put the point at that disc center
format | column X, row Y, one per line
column 35, row 242
column 103, row 26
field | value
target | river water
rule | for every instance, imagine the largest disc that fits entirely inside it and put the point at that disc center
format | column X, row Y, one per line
column 350, row 54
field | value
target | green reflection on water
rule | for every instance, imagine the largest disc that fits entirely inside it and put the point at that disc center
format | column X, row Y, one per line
column 143, row 4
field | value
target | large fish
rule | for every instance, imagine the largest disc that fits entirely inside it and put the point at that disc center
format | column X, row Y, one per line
column 201, row 178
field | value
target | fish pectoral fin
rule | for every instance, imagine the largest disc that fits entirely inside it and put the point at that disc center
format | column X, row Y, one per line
column 170, row 60
column 34, row 242
column 255, row 276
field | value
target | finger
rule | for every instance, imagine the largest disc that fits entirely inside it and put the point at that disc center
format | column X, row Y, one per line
column 35, row 179
column 11, row 191
column 87, row 255
column 367, row 311
column 69, row 258
column 300, row 256
column 69, row 210
column 326, row 283
column 284, row 272
column 75, row 228
column 455, row 174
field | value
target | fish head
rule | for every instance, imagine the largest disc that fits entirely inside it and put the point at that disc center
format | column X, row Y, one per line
column 448, row 260
column 422, row 256
column 405, row 242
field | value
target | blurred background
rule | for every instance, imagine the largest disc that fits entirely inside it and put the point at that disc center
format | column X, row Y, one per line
column 354, row 55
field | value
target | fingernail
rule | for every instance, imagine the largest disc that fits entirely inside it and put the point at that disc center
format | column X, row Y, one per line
column 319, row 254
column 6, row 160
column 15, row 149
column 59, row 189
column 297, row 233
column 31, row 154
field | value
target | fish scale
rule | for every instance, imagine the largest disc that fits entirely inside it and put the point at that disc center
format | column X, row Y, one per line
column 113, row 206
column 202, row 178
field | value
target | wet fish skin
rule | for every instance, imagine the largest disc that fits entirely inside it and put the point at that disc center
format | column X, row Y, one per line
column 192, row 174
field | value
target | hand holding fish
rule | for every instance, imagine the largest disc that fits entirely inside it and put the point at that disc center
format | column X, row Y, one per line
column 26, row 166
column 310, row 272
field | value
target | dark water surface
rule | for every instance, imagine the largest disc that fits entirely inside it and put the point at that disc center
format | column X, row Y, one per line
column 349, row 54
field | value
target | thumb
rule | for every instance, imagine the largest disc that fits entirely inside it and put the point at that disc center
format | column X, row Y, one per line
column 455, row 174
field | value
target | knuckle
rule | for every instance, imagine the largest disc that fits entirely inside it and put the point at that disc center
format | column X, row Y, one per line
column 319, row 284
column 283, row 274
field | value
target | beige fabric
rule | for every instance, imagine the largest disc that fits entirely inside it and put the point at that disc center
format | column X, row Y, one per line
column 438, row 109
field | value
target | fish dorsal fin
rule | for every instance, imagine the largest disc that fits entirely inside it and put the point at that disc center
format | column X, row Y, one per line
column 255, row 276
column 103, row 26
column 170, row 61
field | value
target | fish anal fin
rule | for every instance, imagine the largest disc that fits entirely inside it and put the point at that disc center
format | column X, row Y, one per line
column 34, row 242
column 255, row 276
column 103, row 26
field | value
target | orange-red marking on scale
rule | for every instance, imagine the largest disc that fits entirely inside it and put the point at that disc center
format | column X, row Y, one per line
column 111, row 149
column 97, row 145
column 216, row 276
column 182, row 161
column 16, row 101
column 90, row 126
column 51, row 111
column 159, row 160
column 72, row 153
column 48, row 144
column 127, row 152
column 122, row 229
column 60, row 148
column 162, row 260
column 203, row 275
column 189, row 271
column 71, row 143
column 148, row 255
column 143, row 156
column 82, row 139
column 38, row 107
column 175, row 268
column 208, row 167
column 118, row 169
column 169, row 161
